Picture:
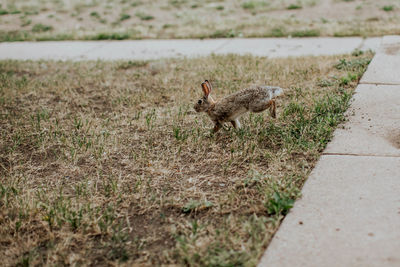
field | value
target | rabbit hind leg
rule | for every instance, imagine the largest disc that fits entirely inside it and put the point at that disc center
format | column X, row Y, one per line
column 262, row 105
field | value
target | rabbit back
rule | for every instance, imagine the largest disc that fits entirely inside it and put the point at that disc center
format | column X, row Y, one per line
column 236, row 104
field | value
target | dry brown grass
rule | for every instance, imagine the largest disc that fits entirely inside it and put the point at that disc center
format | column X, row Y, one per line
column 106, row 163
column 133, row 19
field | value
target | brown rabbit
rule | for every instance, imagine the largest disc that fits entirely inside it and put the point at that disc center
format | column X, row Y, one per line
column 230, row 108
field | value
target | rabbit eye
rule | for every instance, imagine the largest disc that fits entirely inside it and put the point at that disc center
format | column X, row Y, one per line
column 199, row 102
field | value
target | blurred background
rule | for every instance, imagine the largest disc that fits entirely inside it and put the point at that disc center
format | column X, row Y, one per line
column 22, row 20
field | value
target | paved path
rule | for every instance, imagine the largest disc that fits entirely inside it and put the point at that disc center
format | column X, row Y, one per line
column 153, row 49
column 349, row 212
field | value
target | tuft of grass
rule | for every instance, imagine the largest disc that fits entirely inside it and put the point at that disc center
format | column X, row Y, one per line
column 136, row 3
column 388, row 8
column 25, row 22
column 253, row 5
column 144, row 16
column 13, row 36
column 95, row 14
column 306, row 33
column 111, row 36
column 113, row 154
column 224, row 34
column 41, row 28
column 277, row 32
column 294, row 6
column 249, row 5
column 124, row 16
column 177, row 3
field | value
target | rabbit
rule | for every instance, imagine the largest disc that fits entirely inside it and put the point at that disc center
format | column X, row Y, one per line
column 230, row 108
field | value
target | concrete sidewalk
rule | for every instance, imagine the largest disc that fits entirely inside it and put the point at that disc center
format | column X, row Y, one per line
column 154, row 49
column 349, row 212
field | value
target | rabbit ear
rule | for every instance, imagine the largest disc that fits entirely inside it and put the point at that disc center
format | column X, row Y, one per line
column 208, row 84
column 206, row 89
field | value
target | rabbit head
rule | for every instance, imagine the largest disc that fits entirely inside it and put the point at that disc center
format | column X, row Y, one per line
column 206, row 102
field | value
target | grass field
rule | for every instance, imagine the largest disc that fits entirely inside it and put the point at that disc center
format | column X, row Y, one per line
column 107, row 163
column 137, row 19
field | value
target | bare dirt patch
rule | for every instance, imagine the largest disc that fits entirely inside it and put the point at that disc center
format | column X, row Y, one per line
column 106, row 163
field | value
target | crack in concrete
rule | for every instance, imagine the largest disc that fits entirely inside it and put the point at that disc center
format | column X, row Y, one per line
column 361, row 45
column 379, row 83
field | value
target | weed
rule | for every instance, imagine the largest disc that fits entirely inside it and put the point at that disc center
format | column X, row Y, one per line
column 356, row 64
column 279, row 204
column 388, row 8
column 294, row 6
column 180, row 134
